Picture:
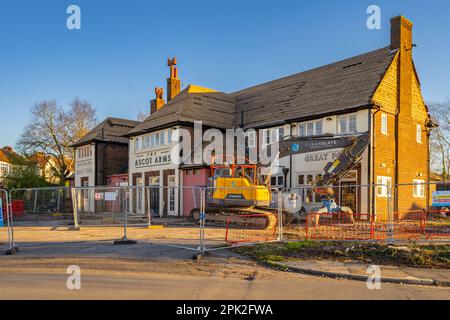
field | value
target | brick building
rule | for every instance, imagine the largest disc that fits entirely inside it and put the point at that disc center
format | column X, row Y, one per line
column 377, row 92
column 102, row 154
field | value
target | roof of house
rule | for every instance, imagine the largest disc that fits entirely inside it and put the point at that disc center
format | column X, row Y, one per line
column 214, row 109
column 337, row 87
column 8, row 155
column 109, row 130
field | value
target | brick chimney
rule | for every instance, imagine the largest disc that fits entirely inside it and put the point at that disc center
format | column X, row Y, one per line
column 173, row 82
column 401, row 39
column 159, row 102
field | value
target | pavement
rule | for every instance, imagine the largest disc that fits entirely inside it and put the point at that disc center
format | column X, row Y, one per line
column 358, row 271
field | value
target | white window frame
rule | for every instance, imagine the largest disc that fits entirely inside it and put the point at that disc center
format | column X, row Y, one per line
column 310, row 128
column 137, row 144
column 418, row 133
column 5, row 168
column 347, row 118
column 169, row 136
column 251, row 138
column 384, row 124
column 162, row 138
column 279, row 134
column 418, row 188
column 382, row 181
column 277, row 181
column 271, row 135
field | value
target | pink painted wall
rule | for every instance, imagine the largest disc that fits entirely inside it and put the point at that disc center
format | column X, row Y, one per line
column 200, row 178
column 117, row 179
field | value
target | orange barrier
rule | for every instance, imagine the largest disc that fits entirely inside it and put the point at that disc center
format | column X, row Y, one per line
column 338, row 226
column 411, row 225
column 243, row 230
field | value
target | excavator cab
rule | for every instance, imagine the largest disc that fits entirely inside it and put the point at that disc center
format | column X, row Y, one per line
column 237, row 185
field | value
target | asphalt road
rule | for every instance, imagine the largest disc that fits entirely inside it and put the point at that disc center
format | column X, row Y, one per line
column 128, row 286
column 148, row 271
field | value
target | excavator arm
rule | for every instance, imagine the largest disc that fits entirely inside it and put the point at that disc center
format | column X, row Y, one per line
column 353, row 148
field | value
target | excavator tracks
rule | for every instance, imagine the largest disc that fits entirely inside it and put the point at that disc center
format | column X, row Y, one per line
column 248, row 218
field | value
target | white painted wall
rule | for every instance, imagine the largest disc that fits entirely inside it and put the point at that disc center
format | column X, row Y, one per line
column 314, row 163
column 85, row 167
column 154, row 159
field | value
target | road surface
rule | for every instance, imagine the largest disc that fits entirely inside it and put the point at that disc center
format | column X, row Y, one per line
column 45, row 278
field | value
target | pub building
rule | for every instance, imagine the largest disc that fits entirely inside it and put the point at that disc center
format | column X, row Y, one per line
column 101, row 157
column 376, row 92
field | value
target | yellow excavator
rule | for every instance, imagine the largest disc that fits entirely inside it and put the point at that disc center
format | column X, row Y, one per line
column 240, row 195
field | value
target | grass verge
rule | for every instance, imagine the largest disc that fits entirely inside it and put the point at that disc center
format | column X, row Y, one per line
column 411, row 255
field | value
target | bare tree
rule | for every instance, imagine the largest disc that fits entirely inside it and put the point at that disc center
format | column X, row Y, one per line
column 82, row 118
column 440, row 138
column 52, row 131
column 142, row 115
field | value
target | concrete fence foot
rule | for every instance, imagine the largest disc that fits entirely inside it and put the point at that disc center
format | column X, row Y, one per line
column 12, row 251
column 124, row 242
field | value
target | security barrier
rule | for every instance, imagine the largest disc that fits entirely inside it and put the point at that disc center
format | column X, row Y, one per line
column 6, row 221
column 106, row 206
column 234, row 217
column 198, row 219
column 426, row 217
column 42, row 201
column 351, row 213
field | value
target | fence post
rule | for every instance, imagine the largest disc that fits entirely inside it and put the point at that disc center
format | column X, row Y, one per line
column 125, row 240
column 9, row 217
column 280, row 215
column 35, row 200
column 391, row 235
column 202, row 249
column 148, row 206
column 76, row 225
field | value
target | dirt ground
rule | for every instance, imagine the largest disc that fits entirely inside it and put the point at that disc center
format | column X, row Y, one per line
column 171, row 232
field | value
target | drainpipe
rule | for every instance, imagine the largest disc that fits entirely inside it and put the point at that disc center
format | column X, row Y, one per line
column 372, row 156
column 290, row 161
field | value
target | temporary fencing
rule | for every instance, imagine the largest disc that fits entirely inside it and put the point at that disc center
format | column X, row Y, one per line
column 203, row 219
column 6, row 222
column 241, row 216
column 426, row 217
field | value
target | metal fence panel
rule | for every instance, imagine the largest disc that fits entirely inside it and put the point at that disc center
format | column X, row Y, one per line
column 421, row 211
column 233, row 219
column 353, row 213
column 7, row 222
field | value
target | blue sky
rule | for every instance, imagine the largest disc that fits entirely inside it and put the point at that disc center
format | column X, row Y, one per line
column 119, row 55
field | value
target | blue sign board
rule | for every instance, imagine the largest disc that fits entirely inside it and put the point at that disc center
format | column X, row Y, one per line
column 1, row 212
column 441, row 199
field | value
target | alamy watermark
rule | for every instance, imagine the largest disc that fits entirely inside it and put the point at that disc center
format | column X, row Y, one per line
column 214, row 146
column 73, row 281
column 73, row 22
column 374, row 20
column 374, row 279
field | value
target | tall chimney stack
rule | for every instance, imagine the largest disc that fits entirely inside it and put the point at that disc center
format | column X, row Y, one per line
column 402, row 40
column 173, row 82
column 401, row 33
column 159, row 102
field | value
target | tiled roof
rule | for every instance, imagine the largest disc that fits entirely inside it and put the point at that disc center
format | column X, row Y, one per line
column 215, row 109
column 337, row 87
column 340, row 86
column 109, row 130
column 8, row 155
